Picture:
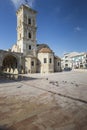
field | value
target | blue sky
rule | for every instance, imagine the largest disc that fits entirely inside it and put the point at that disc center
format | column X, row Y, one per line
column 62, row 24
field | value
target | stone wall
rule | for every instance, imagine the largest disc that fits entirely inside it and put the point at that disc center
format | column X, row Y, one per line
column 46, row 67
column 57, row 65
column 30, row 64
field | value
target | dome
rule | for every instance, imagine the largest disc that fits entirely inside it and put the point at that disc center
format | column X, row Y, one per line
column 45, row 50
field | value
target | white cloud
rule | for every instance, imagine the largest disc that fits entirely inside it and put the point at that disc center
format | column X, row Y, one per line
column 77, row 29
column 17, row 3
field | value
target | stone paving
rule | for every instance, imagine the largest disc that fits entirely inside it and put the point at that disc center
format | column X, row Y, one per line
column 44, row 102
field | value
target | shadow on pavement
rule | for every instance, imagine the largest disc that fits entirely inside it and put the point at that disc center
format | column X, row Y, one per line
column 6, row 78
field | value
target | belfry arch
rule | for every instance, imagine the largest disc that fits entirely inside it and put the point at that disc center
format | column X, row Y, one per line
column 10, row 64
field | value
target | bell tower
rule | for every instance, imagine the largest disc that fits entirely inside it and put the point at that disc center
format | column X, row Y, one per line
column 26, row 30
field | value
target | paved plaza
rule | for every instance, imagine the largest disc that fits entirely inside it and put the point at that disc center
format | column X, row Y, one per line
column 56, row 101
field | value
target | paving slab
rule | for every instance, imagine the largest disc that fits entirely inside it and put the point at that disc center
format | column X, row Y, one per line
column 41, row 104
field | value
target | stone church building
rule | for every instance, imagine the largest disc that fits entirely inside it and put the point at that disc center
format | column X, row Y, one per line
column 26, row 56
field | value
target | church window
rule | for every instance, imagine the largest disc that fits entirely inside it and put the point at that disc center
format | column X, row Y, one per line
column 50, row 60
column 58, row 63
column 45, row 60
column 32, row 63
column 29, row 21
column 29, row 35
column 29, row 47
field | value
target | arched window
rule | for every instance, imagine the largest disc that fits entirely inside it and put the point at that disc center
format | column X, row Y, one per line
column 29, row 47
column 58, row 63
column 29, row 35
column 29, row 21
column 45, row 60
column 50, row 60
column 32, row 63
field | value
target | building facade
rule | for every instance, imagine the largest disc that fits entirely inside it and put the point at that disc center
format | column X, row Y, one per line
column 34, row 58
column 79, row 61
column 74, row 60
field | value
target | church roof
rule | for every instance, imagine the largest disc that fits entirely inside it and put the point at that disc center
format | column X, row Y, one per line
column 40, row 46
column 45, row 50
column 57, row 57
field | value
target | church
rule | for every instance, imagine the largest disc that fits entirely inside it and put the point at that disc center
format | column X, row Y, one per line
column 26, row 56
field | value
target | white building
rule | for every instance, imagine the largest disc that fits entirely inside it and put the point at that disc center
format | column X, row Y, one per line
column 74, row 60
column 79, row 61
